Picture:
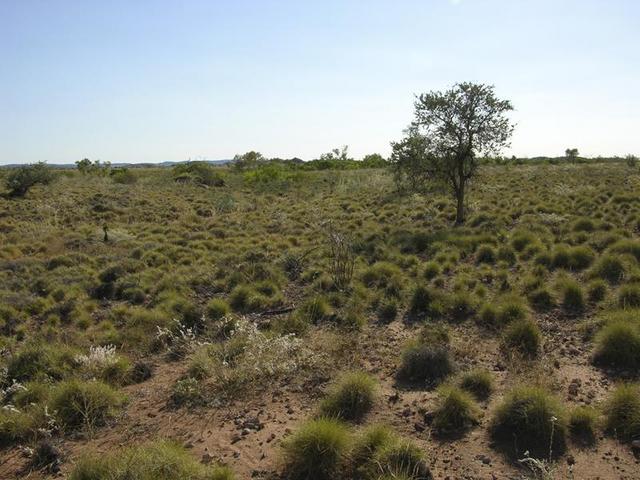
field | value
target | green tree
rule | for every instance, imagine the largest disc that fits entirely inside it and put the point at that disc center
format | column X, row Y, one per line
column 21, row 179
column 411, row 163
column 374, row 160
column 248, row 161
column 337, row 154
column 571, row 154
column 460, row 125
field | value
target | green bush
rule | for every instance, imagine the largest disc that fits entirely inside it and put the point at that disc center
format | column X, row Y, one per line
column 366, row 446
column 622, row 412
column 199, row 173
column 425, row 363
column 609, row 268
column 316, row 309
column 629, row 296
column 85, row 404
column 582, row 424
column 573, row 301
column 35, row 361
column 217, row 308
column 618, row 345
column 21, row 179
column 402, row 459
column 523, row 336
column 455, row 411
column 388, row 311
column 431, row 270
column 161, row 460
column 596, row 290
column 316, row 450
column 477, row 382
column 385, row 276
column 461, row 306
column 485, row 254
column 123, row 176
column 351, row 398
column 530, row 419
column 428, row 302
column 541, row 300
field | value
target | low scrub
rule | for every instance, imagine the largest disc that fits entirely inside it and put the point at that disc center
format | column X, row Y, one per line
column 161, row 460
column 622, row 412
column 85, row 404
column 455, row 412
column 316, row 451
column 351, row 398
column 530, row 419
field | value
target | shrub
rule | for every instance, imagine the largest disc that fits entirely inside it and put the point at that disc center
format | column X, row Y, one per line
column 596, row 290
column 217, row 308
column 541, row 300
column 523, row 336
column 485, row 254
column 477, row 382
column 20, row 425
column 609, row 268
column 461, row 306
column 160, row 460
column 21, row 179
column 198, row 172
column 427, row 301
column 622, row 412
column 431, row 270
column 365, row 447
column 85, row 404
column 510, row 310
column 316, row 450
column 629, row 296
column 530, row 419
column 402, row 459
column 123, row 176
column 627, row 246
column 316, row 309
column 187, row 392
column 455, row 411
column 618, row 345
column 384, row 275
column 425, row 363
column 388, row 311
column 38, row 361
column 582, row 423
column 351, row 398
column 572, row 296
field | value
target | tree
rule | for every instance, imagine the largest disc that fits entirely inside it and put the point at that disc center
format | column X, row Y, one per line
column 374, row 160
column 87, row 167
column 459, row 125
column 20, row 180
column 410, row 161
column 337, row 154
column 632, row 161
column 248, row 161
column 571, row 154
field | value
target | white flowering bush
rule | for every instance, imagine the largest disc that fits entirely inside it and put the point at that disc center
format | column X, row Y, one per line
column 179, row 341
column 250, row 356
column 102, row 362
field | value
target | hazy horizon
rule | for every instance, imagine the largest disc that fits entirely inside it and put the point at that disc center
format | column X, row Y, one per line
column 165, row 81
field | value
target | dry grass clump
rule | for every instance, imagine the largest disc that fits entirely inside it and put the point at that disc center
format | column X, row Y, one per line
column 160, row 460
column 351, row 398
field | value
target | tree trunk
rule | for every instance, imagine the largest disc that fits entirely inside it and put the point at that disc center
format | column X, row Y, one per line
column 460, row 209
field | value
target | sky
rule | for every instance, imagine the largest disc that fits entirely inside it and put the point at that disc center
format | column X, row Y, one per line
column 153, row 81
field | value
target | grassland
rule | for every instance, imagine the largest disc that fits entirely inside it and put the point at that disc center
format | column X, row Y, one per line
column 323, row 326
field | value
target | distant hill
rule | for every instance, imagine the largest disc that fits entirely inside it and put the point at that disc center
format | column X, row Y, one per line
column 129, row 165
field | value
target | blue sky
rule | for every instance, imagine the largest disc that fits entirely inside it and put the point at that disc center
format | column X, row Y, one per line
column 161, row 80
